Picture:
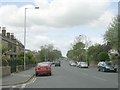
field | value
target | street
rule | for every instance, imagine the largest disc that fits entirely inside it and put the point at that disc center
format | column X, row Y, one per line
column 74, row 42
column 74, row 77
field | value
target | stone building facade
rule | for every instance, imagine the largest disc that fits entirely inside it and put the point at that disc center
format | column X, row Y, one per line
column 13, row 45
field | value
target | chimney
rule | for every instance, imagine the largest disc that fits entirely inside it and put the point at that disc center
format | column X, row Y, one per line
column 12, row 36
column 3, row 31
column 8, row 34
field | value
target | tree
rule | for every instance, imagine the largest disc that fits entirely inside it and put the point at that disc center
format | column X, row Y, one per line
column 70, row 54
column 5, row 58
column 95, row 50
column 78, row 49
column 111, row 35
column 20, row 58
column 29, row 58
column 48, row 53
column 103, row 56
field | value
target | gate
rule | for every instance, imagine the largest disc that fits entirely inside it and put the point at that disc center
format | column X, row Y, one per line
column 13, row 65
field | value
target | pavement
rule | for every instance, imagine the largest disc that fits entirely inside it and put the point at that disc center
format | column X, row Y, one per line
column 18, row 78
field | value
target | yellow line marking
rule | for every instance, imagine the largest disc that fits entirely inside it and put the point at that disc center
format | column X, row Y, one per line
column 32, row 81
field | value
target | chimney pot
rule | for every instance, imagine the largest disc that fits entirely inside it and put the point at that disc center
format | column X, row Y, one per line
column 12, row 36
column 8, row 34
column 3, row 32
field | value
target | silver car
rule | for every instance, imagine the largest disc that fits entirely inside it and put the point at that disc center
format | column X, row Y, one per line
column 82, row 65
column 72, row 63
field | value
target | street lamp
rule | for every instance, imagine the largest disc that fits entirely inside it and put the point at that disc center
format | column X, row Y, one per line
column 45, row 52
column 25, row 34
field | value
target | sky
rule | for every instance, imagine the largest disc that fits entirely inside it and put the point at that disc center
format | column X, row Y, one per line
column 57, row 22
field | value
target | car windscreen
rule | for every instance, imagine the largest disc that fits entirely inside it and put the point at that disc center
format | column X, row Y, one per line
column 109, row 64
column 83, row 63
column 42, row 64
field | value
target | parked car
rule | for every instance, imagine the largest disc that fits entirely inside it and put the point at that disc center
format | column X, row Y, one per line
column 106, row 66
column 48, row 62
column 82, row 65
column 53, row 62
column 57, row 63
column 72, row 63
column 43, row 68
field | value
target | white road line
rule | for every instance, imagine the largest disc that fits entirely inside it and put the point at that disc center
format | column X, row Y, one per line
column 34, row 80
column 13, row 86
column 23, row 85
column 5, row 86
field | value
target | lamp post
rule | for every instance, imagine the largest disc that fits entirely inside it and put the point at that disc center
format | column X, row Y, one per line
column 25, row 35
column 45, row 53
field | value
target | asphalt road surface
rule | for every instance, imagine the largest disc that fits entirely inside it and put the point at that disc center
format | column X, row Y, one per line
column 74, row 77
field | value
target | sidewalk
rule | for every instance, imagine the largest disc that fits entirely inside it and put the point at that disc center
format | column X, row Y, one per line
column 18, row 78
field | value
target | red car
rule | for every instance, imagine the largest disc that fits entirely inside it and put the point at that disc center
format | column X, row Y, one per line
column 43, row 68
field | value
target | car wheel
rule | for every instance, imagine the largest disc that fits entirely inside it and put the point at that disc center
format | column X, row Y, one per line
column 115, row 71
column 36, row 74
column 103, row 70
column 50, row 74
column 98, row 69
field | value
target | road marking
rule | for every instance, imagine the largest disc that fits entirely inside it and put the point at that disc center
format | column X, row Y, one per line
column 31, row 81
column 34, row 80
column 23, row 85
column 5, row 86
column 13, row 86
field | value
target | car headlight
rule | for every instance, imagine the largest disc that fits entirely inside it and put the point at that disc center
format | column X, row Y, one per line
column 107, row 67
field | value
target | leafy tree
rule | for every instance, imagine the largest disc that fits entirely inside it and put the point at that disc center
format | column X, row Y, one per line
column 103, row 56
column 49, row 53
column 78, row 50
column 70, row 54
column 95, row 50
column 5, row 58
column 20, row 58
column 29, row 58
column 111, row 35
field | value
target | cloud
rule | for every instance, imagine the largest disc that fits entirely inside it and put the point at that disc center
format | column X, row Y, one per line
column 58, row 13
column 35, row 42
column 55, row 15
column 102, row 21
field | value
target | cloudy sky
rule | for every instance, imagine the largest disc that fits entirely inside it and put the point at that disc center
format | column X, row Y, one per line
column 57, row 22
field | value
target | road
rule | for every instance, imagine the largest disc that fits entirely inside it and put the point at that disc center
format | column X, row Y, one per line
column 73, row 77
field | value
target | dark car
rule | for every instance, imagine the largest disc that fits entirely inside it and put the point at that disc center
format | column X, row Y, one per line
column 57, row 63
column 106, row 66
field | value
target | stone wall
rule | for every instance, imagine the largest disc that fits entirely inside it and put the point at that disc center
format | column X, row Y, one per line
column 6, row 70
column 19, row 68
